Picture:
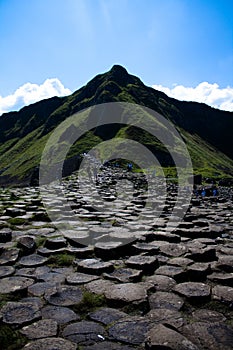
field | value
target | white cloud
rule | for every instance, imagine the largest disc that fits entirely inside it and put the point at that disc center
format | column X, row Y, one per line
column 211, row 94
column 30, row 93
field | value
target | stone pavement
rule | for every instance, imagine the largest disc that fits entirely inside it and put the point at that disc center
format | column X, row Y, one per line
column 115, row 279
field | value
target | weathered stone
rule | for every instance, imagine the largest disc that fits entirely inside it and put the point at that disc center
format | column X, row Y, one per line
column 95, row 266
column 81, row 253
column 107, row 345
column 42, row 288
column 182, row 262
column 165, row 316
column 145, row 263
column 6, row 271
column 198, row 271
column 223, row 293
column 50, row 344
column 173, row 249
column 98, row 286
column 59, row 314
column 80, row 278
column 55, row 243
column 65, row 296
column 175, row 272
column 48, row 252
column 225, row 263
column 124, row 275
column 106, row 315
column 194, row 291
column 84, row 332
column 168, row 237
column 18, row 313
column 205, row 315
column 41, row 329
column 32, row 272
column 161, row 283
column 161, row 337
column 222, row 278
column 110, row 249
column 202, row 254
column 165, row 300
column 32, row 260
column 209, row 336
column 124, row 293
column 150, row 248
column 131, row 330
column 27, row 244
column 9, row 256
column 14, row 284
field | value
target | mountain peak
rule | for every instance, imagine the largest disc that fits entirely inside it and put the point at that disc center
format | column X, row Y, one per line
column 119, row 75
column 118, row 69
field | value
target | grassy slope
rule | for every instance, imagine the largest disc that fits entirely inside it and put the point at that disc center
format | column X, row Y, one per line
column 20, row 155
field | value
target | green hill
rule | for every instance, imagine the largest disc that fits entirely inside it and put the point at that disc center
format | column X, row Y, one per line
column 205, row 130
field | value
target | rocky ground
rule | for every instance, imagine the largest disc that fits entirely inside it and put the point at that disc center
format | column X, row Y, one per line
column 115, row 279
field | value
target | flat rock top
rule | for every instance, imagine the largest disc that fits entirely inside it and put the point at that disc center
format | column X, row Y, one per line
column 126, row 292
column 161, row 337
column 14, row 284
column 20, row 313
column 51, row 344
column 192, row 289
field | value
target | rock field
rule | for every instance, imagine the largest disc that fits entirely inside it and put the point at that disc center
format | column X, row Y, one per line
column 112, row 278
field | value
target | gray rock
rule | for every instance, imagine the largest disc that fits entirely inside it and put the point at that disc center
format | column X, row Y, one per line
column 175, row 272
column 198, row 271
column 165, row 300
column 9, row 256
column 84, row 332
column 20, row 313
column 131, row 330
column 161, row 337
column 145, row 263
column 80, row 278
column 223, row 293
column 27, row 244
column 194, row 291
column 222, row 278
column 124, row 275
column 6, row 271
column 209, row 336
column 59, row 314
column 51, row 344
column 33, row 260
column 205, row 315
column 106, row 315
column 41, row 329
column 107, row 345
column 161, row 283
column 65, row 296
column 169, row 317
column 124, row 293
column 95, row 266
column 14, row 284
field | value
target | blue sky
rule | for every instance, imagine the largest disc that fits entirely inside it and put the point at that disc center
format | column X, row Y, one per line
column 183, row 47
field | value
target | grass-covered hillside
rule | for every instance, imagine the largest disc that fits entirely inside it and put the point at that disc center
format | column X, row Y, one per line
column 205, row 130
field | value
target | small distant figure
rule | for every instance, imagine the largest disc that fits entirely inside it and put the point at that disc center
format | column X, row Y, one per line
column 95, row 174
column 203, row 192
column 215, row 192
column 129, row 166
